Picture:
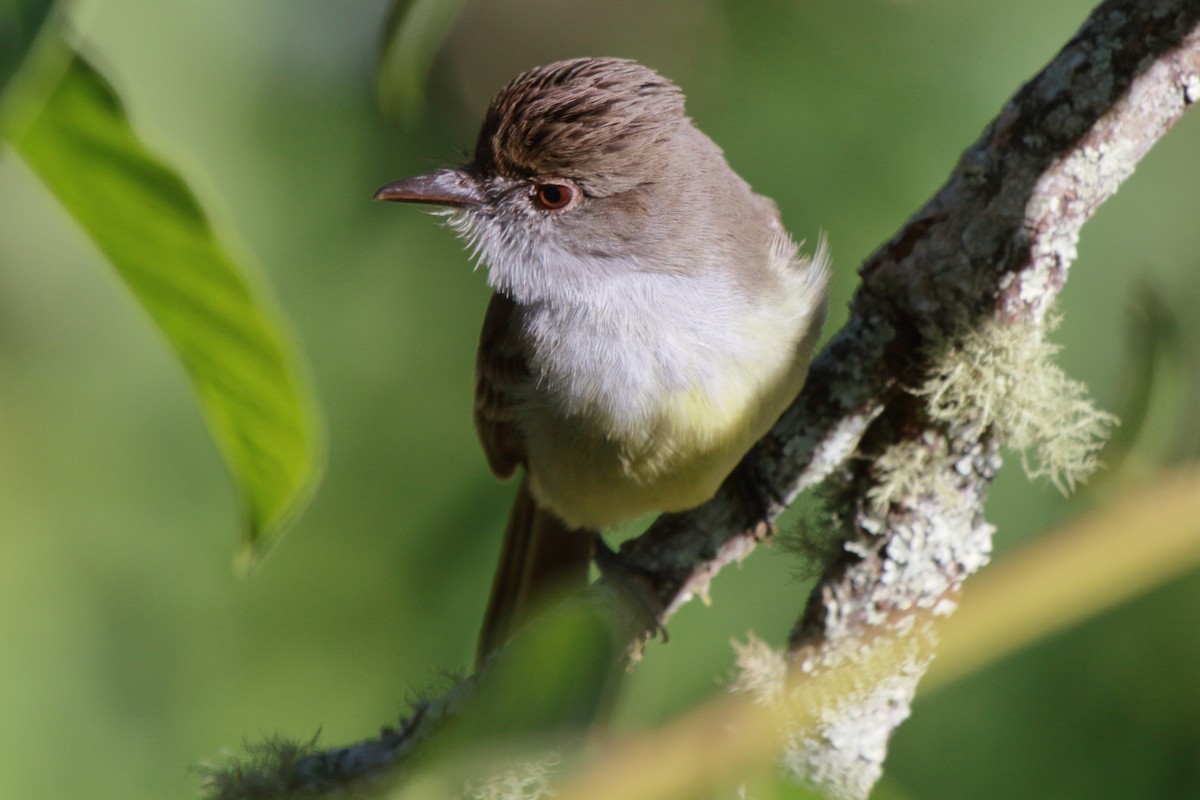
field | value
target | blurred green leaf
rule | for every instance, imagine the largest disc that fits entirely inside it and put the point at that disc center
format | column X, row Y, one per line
column 558, row 675
column 415, row 31
column 227, row 334
column 1155, row 382
column 20, row 23
column 524, row 718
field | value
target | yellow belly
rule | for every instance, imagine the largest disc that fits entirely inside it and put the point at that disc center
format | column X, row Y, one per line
column 594, row 475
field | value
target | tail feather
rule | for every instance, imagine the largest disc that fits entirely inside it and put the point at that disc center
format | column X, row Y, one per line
column 540, row 557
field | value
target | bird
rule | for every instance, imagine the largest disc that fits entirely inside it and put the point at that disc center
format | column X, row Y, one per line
column 650, row 317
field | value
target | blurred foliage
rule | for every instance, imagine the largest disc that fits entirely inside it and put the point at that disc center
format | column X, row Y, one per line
column 20, row 23
column 146, row 221
column 1161, row 390
column 131, row 652
column 413, row 35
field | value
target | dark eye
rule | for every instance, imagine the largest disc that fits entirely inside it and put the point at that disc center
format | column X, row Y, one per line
column 553, row 196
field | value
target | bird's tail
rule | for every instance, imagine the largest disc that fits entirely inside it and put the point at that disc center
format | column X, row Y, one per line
column 540, row 557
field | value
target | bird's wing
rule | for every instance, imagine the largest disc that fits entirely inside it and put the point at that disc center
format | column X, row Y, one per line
column 500, row 371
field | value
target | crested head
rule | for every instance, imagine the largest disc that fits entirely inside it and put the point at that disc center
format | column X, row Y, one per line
column 589, row 169
column 584, row 119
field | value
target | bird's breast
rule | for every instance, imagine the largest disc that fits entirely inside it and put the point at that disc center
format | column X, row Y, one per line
column 646, row 401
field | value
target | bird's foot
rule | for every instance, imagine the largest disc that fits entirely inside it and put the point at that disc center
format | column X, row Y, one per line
column 758, row 496
column 634, row 584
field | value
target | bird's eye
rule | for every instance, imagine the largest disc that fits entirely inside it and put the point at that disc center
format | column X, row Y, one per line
column 554, row 196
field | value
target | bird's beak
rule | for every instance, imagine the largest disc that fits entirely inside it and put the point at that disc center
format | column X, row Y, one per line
column 447, row 187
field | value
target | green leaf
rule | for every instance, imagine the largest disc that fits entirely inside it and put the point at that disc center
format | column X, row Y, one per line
column 20, row 23
column 415, row 31
column 227, row 334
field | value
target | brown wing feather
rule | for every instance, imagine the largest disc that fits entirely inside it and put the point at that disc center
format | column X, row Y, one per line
column 540, row 555
column 500, row 371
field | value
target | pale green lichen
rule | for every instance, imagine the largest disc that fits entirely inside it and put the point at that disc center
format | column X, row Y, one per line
column 1003, row 376
column 529, row 780
column 912, row 469
column 761, row 670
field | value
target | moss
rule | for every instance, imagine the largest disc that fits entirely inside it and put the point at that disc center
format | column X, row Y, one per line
column 818, row 534
column 268, row 770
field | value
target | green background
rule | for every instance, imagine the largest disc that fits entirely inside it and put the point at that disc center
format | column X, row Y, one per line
column 128, row 649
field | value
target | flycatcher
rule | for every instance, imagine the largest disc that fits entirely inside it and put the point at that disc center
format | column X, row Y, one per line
column 650, row 321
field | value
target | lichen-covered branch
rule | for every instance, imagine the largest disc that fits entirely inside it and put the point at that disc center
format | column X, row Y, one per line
column 989, row 252
column 983, row 261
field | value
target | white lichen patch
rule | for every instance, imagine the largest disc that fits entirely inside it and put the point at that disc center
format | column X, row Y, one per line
column 835, row 723
column 1004, row 376
column 1191, row 88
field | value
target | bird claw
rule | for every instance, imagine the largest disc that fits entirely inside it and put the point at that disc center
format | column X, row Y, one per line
column 757, row 495
column 634, row 583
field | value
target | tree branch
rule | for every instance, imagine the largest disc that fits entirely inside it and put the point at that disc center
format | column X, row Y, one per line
column 992, row 247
